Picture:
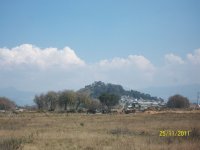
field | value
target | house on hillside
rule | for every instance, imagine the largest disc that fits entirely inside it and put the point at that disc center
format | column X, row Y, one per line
column 140, row 104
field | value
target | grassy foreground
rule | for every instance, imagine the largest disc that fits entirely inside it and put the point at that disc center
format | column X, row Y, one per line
column 140, row 131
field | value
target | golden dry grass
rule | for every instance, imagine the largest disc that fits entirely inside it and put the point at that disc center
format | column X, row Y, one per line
column 54, row 131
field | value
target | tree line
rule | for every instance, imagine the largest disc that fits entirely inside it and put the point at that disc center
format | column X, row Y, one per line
column 66, row 100
column 71, row 101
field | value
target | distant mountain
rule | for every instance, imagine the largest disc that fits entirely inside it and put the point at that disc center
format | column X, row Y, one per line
column 18, row 96
column 189, row 91
column 98, row 87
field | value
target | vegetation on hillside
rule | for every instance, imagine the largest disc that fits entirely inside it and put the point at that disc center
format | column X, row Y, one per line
column 98, row 88
column 95, row 96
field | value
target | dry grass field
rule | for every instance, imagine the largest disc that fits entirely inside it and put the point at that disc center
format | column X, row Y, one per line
column 140, row 131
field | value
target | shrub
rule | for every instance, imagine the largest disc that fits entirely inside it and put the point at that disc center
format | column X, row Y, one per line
column 178, row 101
column 6, row 104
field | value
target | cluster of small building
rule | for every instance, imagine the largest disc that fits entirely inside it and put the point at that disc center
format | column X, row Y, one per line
column 130, row 103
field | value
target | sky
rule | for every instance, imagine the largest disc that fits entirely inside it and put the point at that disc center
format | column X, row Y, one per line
column 66, row 44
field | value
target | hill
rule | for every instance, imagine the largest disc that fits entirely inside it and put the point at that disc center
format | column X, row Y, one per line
column 20, row 97
column 97, row 88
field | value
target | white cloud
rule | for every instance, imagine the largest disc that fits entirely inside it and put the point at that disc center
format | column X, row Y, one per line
column 194, row 58
column 173, row 59
column 135, row 70
column 177, row 71
column 28, row 54
column 62, row 68
column 132, row 61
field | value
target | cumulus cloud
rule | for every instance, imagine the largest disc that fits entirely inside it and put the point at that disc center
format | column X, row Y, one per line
column 127, row 71
column 28, row 54
column 34, row 68
column 179, row 71
column 195, row 57
column 138, row 61
column 173, row 59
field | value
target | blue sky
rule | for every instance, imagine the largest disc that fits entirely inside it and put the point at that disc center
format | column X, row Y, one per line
column 70, row 43
column 103, row 29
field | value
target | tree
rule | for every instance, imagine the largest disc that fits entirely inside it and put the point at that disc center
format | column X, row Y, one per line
column 93, row 104
column 81, row 99
column 66, row 98
column 39, row 100
column 6, row 104
column 178, row 101
column 51, row 99
column 109, row 100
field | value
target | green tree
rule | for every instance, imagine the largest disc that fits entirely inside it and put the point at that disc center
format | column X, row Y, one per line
column 66, row 98
column 178, row 101
column 109, row 100
column 39, row 100
column 81, row 99
column 51, row 99
column 93, row 104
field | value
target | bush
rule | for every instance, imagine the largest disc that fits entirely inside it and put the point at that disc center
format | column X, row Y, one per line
column 178, row 101
column 6, row 104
